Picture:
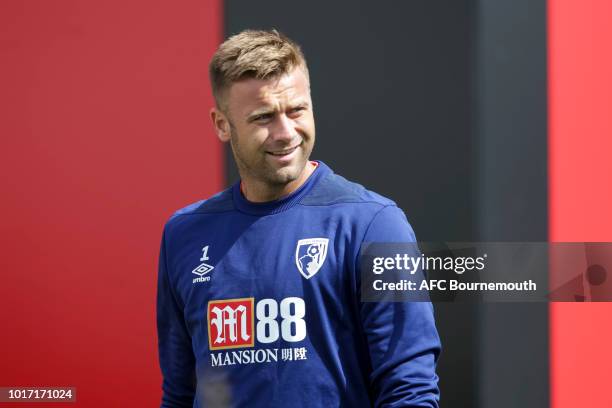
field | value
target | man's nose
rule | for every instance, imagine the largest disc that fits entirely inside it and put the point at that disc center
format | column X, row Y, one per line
column 283, row 128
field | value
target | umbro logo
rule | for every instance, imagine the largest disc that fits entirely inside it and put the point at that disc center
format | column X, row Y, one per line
column 203, row 268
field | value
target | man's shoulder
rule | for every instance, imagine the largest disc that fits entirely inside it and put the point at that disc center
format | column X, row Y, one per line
column 380, row 216
column 335, row 189
column 219, row 203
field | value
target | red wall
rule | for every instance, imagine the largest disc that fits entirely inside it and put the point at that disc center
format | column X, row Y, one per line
column 580, row 149
column 105, row 131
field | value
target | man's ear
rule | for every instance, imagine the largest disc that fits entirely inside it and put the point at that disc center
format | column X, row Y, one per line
column 221, row 124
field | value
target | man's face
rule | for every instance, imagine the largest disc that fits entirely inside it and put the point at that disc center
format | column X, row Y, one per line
column 271, row 127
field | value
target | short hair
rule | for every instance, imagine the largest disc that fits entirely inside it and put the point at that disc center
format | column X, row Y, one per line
column 258, row 54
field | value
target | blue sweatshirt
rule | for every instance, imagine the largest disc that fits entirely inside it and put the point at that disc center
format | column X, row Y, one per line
column 259, row 304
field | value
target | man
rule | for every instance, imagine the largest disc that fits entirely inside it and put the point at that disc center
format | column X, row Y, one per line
column 259, row 298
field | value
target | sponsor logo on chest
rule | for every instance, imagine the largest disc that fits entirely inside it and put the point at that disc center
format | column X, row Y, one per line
column 249, row 325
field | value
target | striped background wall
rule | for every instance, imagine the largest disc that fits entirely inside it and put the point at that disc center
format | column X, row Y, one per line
column 484, row 120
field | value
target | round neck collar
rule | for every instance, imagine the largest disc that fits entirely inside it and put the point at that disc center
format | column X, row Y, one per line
column 283, row 203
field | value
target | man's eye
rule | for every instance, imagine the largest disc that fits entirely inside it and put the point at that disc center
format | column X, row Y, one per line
column 264, row 116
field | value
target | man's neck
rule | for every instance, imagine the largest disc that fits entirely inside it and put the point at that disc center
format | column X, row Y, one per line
column 258, row 192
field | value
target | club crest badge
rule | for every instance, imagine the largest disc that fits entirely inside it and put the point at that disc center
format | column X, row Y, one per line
column 309, row 255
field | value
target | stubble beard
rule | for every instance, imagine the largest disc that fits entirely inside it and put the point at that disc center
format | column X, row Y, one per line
column 263, row 172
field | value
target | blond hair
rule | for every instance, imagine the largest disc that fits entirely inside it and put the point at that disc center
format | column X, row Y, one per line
column 255, row 54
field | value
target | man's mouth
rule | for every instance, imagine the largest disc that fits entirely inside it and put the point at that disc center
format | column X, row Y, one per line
column 284, row 152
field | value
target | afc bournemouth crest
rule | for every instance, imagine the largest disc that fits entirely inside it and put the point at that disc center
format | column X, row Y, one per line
column 309, row 255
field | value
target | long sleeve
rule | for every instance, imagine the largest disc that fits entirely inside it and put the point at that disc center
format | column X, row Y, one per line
column 176, row 357
column 402, row 338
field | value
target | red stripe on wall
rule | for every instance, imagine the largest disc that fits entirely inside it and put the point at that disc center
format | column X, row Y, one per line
column 580, row 150
column 104, row 133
